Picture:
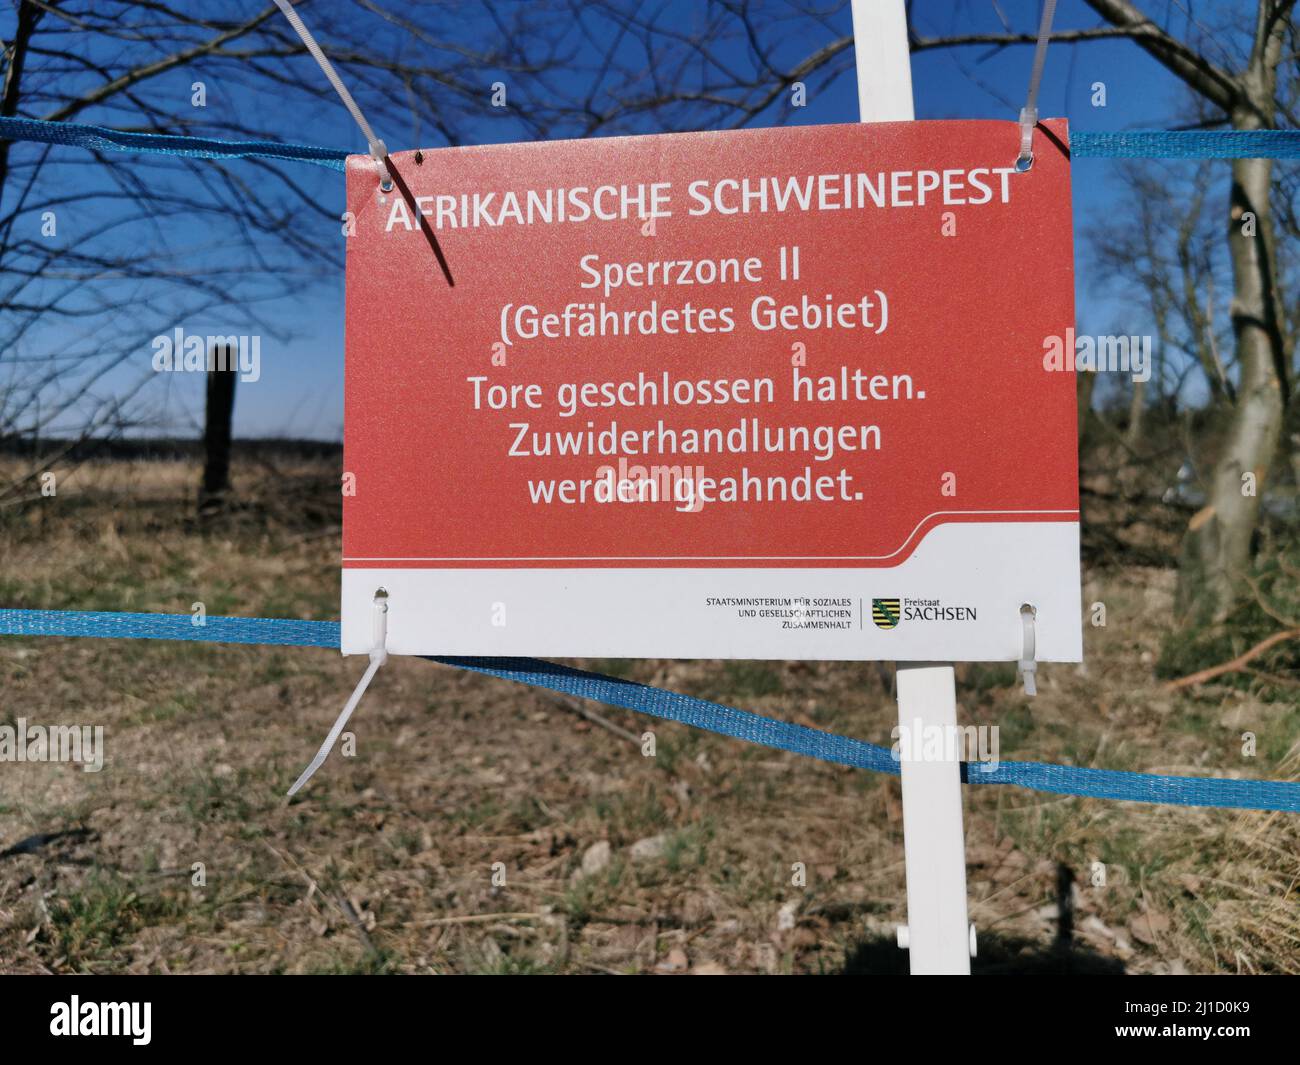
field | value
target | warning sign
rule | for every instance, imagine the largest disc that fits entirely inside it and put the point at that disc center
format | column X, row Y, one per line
column 761, row 394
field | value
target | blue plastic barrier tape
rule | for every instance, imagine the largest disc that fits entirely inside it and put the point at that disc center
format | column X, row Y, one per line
column 1187, row 144
column 1144, row 144
column 99, row 138
column 674, row 706
column 111, row 625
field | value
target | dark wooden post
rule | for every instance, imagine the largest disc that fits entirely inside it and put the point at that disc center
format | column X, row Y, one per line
column 220, row 409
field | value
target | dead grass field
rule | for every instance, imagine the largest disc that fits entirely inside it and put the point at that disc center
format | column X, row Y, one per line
column 613, row 862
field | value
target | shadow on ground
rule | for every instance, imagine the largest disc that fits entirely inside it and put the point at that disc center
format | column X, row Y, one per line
column 998, row 956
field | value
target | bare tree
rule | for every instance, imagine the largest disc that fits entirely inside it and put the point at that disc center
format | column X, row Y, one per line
column 100, row 253
column 1162, row 248
column 1218, row 548
column 1246, row 87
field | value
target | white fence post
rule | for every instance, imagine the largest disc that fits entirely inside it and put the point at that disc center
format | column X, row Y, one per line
column 937, row 935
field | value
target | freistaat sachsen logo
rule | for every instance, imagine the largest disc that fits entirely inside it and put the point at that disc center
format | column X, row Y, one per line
column 885, row 612
column 889, row 613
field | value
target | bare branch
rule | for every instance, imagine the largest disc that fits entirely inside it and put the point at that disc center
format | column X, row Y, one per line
column 1216, row 85
column 149, row 70
column 923, row 44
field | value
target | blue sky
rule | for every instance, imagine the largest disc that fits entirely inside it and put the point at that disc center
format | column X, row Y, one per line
column 301, row 390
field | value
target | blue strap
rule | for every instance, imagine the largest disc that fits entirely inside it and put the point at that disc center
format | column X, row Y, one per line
column 1187, row 144
column 686, row 710
column 673, row 706
column 1146, row 144
column 284, row 632
column 99, row 138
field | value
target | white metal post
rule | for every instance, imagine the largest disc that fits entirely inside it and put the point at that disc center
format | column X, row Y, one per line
column 937, row 936
column 884, row 61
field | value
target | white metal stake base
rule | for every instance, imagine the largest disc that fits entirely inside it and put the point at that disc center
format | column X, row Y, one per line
column 938, row 937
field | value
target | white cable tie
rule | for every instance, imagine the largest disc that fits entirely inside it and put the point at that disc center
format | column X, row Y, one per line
column 378, row 656
column 1028, row 120
column 1029, row 113
column 378, row 151
column 1028, row 665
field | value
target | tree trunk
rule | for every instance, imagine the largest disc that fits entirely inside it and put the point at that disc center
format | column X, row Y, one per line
column 220, row 409
column 1085, row 382
column 1217, row 550
column 10, row 91
column 1137, row 408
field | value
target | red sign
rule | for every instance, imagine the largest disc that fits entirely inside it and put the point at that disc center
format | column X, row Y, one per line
column 791, row 349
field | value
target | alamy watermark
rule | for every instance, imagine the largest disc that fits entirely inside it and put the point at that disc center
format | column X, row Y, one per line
column 629, row 483
column 77, row 1018
column 919, row 742
column 1095, row 354
column 21, row 742
column 197, row 353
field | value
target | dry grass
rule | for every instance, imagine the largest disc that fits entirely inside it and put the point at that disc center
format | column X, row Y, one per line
column 386, row 863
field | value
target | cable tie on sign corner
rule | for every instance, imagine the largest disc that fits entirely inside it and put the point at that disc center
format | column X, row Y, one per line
column 1029, row 113
column 378, row 150
column 378, row 656
column 1028, row 120
column 1028, row 665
